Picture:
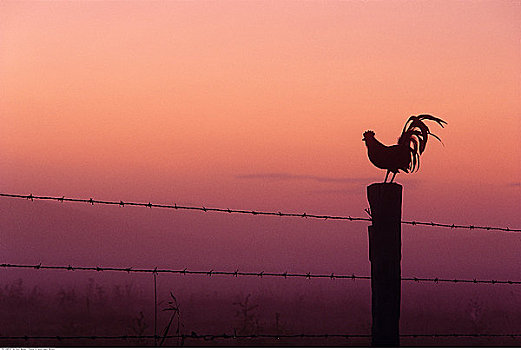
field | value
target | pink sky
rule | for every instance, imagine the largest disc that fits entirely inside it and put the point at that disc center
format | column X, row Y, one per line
column 259, row 105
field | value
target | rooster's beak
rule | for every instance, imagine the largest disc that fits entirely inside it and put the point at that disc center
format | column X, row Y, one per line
column 363, row 139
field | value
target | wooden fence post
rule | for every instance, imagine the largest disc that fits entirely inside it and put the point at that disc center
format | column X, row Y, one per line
column 385, row 245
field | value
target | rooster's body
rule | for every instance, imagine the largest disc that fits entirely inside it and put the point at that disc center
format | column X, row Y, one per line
column 405, row 155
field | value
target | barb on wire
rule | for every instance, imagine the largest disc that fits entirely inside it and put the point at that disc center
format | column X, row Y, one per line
column 250, row 212
column 211, row 337
column 236, row 273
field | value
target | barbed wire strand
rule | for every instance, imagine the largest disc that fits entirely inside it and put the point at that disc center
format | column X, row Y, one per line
column 251, row 212
column 210, row 337
column 184, row 207
column 261, row 274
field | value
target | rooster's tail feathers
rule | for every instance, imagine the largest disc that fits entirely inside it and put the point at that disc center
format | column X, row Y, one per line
column 415, row 127
column 414, row 154
column 415, row 135
column 418, row 120
column 433, row 118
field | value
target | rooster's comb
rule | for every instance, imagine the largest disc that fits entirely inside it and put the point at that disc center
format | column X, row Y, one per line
column 369, row 132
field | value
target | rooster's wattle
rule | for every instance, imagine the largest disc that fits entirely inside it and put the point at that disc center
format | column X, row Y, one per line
column 405, row 155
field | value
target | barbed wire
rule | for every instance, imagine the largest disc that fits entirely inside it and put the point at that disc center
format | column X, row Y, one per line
column 261, row 274
column 454, row 226
column 207, row 337
column 184, row 207
column 210, row 337
column 251, row 212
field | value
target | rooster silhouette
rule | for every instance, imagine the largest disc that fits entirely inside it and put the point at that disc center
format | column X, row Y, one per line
column 405, row 155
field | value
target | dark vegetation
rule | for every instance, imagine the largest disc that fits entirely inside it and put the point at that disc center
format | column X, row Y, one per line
column 93, row 308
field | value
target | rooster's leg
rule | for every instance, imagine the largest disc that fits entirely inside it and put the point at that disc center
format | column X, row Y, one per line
column 388, row 171
column 394, row 174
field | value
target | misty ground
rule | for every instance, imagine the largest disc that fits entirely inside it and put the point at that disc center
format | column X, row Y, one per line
column 121, row 304
column 86, row 303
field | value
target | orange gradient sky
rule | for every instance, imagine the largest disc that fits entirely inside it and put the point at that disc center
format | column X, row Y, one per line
column 261, row 105
column 179, row 100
